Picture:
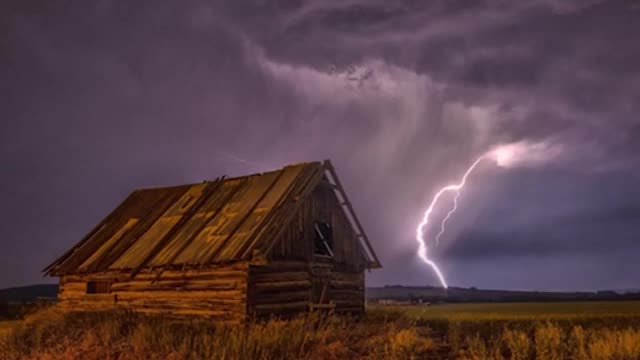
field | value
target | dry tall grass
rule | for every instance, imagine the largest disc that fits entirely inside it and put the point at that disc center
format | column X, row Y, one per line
column 52, row 334
column 550, row 341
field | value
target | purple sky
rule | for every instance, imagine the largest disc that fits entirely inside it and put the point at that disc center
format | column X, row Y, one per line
column 98, row 98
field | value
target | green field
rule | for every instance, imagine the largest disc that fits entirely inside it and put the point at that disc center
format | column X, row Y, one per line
column 516, row 311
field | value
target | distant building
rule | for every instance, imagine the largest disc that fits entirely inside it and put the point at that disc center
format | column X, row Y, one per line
column 392, row 302
column 275, row 243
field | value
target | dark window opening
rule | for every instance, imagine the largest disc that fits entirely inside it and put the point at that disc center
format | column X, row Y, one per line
column 98, row 287
column 323, row 240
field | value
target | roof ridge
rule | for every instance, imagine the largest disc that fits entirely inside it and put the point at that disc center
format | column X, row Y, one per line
column 226, row 177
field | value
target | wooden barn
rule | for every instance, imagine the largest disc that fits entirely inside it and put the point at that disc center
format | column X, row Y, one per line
column 274, row 243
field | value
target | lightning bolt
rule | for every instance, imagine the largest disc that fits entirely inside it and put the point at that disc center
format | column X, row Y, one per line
column 422, row 244
column 443, row 224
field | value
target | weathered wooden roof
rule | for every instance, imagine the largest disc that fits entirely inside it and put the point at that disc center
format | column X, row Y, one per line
column 211, row 222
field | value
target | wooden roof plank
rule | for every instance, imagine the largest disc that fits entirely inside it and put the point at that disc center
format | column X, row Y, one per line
column 207, row 240
column 206, row 192
column 148, row 213
column 218, row 198
column 170, row 218
column 223, row 252
column 135, row 209
column 89, row 235
column 197, row 224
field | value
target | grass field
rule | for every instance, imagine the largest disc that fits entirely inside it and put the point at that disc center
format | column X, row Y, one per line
column 593, row 330
column 554, row 310
column 561, row 330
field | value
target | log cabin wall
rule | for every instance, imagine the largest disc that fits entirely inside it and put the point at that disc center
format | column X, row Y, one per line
column 279, row 288
column 337, row 285
column 347, row 291
column 324, row 281
column 218, row 292
column 285, row 288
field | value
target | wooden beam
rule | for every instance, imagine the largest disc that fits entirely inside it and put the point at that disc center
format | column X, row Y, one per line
column 328, row 184
column 329, row 306
column 327, row 165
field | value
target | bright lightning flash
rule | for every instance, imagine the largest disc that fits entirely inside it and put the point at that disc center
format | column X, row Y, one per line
column 423, row 249
column 504, row 155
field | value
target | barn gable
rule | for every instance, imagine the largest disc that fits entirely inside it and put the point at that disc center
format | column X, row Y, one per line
column 217, row 222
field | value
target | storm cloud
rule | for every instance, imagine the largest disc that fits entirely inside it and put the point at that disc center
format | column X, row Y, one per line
column 102, row 97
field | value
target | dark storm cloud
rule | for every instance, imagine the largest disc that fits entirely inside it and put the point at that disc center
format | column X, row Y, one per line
column 102, row 97
column 547, row 61
column 597, row 233
column 623, row 213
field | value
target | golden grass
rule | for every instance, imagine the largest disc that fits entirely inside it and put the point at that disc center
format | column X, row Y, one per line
column 550, row 341
column 518, row 311
column 604, row 332
column 53, row 334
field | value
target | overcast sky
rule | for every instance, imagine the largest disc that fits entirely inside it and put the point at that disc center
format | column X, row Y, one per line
column 98, row 98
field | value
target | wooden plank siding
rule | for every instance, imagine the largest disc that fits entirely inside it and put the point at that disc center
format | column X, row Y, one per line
column 279, row 288
column 218, row 292
column 225, row 293
column 296, row 242
column 347, row 291
column 344, row 286
column 285, row 288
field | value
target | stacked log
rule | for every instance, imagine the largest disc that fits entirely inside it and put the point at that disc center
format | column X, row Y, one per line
column 279, row 288
column 218, row 292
